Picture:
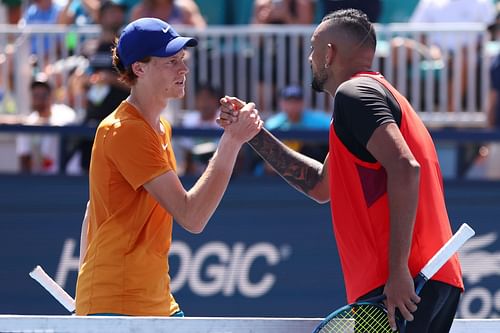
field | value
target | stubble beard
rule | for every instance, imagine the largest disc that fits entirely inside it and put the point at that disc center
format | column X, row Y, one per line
column 319, row 80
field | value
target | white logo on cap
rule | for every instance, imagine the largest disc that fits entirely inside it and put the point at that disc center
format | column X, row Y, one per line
column 165, row 30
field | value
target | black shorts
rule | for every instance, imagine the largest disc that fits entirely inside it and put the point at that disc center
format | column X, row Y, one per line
column 436, row 310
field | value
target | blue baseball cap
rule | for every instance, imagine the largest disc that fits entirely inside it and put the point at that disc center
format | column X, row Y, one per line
column 150, row 37
column 292, row 92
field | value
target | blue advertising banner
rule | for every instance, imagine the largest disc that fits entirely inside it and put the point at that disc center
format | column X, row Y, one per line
column 267, row 251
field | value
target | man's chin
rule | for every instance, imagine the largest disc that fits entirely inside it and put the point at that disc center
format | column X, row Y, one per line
column 317, row 88
column 179, row 94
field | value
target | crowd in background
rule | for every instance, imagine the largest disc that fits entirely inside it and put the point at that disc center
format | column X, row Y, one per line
column 93, row 89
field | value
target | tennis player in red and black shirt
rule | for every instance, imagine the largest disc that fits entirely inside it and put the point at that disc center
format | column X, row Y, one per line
column 382, row 177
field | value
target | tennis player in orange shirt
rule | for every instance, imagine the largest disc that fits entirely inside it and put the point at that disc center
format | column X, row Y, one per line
column 135, row 192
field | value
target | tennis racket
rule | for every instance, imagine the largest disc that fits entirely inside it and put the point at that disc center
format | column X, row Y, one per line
column 53, row 288
column 370, row 315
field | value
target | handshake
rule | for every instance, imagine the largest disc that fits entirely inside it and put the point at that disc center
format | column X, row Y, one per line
column 239, row 119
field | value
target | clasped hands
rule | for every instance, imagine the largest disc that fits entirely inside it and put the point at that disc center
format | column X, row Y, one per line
column 239, row 118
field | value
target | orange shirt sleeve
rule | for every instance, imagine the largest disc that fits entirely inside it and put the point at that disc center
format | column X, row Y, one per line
column 138, row 152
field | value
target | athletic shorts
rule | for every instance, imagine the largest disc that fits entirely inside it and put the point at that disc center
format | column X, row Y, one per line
column 436, row 310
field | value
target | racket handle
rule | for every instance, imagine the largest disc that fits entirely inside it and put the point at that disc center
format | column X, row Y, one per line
column 53, row 288
column 419, row 281
column 447, row 251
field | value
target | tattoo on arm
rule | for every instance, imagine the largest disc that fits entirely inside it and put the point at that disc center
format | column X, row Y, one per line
column 298, row 170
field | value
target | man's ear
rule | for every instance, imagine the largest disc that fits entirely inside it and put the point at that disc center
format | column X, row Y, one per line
column 138, row 68
column 331, row 52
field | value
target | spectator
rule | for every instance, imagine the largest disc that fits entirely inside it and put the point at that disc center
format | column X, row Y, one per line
column 196, row 152
column 487, row 161
column 13, row 8
column 283, row 12
column 111, row 19
column 41, row 12
column 41, row 153
column 69, row 79
column 104, row 90
column 494, row 96
column 452, row 11
column 442, row 44
column 294, row 116
column 80, row 12
column 372, row 8
column 174, row 12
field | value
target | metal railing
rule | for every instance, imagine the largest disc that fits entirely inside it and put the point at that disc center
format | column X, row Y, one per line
column 255, row 62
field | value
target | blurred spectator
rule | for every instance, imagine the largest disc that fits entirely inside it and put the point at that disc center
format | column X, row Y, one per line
column 489, row 154
column 40, row 153
column 196, row 152
column 172, row 11
column 103, row 90
column 13, row 8
column 294, row 116
column 372, row 8
column 494, row 94
column 487, row 162
column 69, row 79
column 283, row 12
column 279, row 12
column 74, row 90
column 111, row 19
column 42, row 12
column 441, row 44
column 80, row 12
column 453, row 11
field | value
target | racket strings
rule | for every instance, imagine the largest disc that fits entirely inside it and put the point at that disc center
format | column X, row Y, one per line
column 371, row 319
column 359, row 319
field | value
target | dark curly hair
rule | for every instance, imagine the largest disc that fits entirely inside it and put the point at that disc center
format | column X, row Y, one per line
column 356, row 24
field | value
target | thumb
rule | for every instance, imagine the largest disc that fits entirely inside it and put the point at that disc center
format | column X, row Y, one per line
column 248, row 107
column 236, row 102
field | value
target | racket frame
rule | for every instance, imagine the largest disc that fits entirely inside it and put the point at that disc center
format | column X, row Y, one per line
column 438, row 260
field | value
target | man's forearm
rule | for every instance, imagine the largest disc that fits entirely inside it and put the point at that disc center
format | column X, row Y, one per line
column 403, row 191
column 300, row 171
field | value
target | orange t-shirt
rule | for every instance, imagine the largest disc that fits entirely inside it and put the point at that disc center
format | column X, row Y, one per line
column 125, row 270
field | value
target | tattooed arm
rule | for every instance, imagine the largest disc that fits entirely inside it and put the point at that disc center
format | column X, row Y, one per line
column 303, row 173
